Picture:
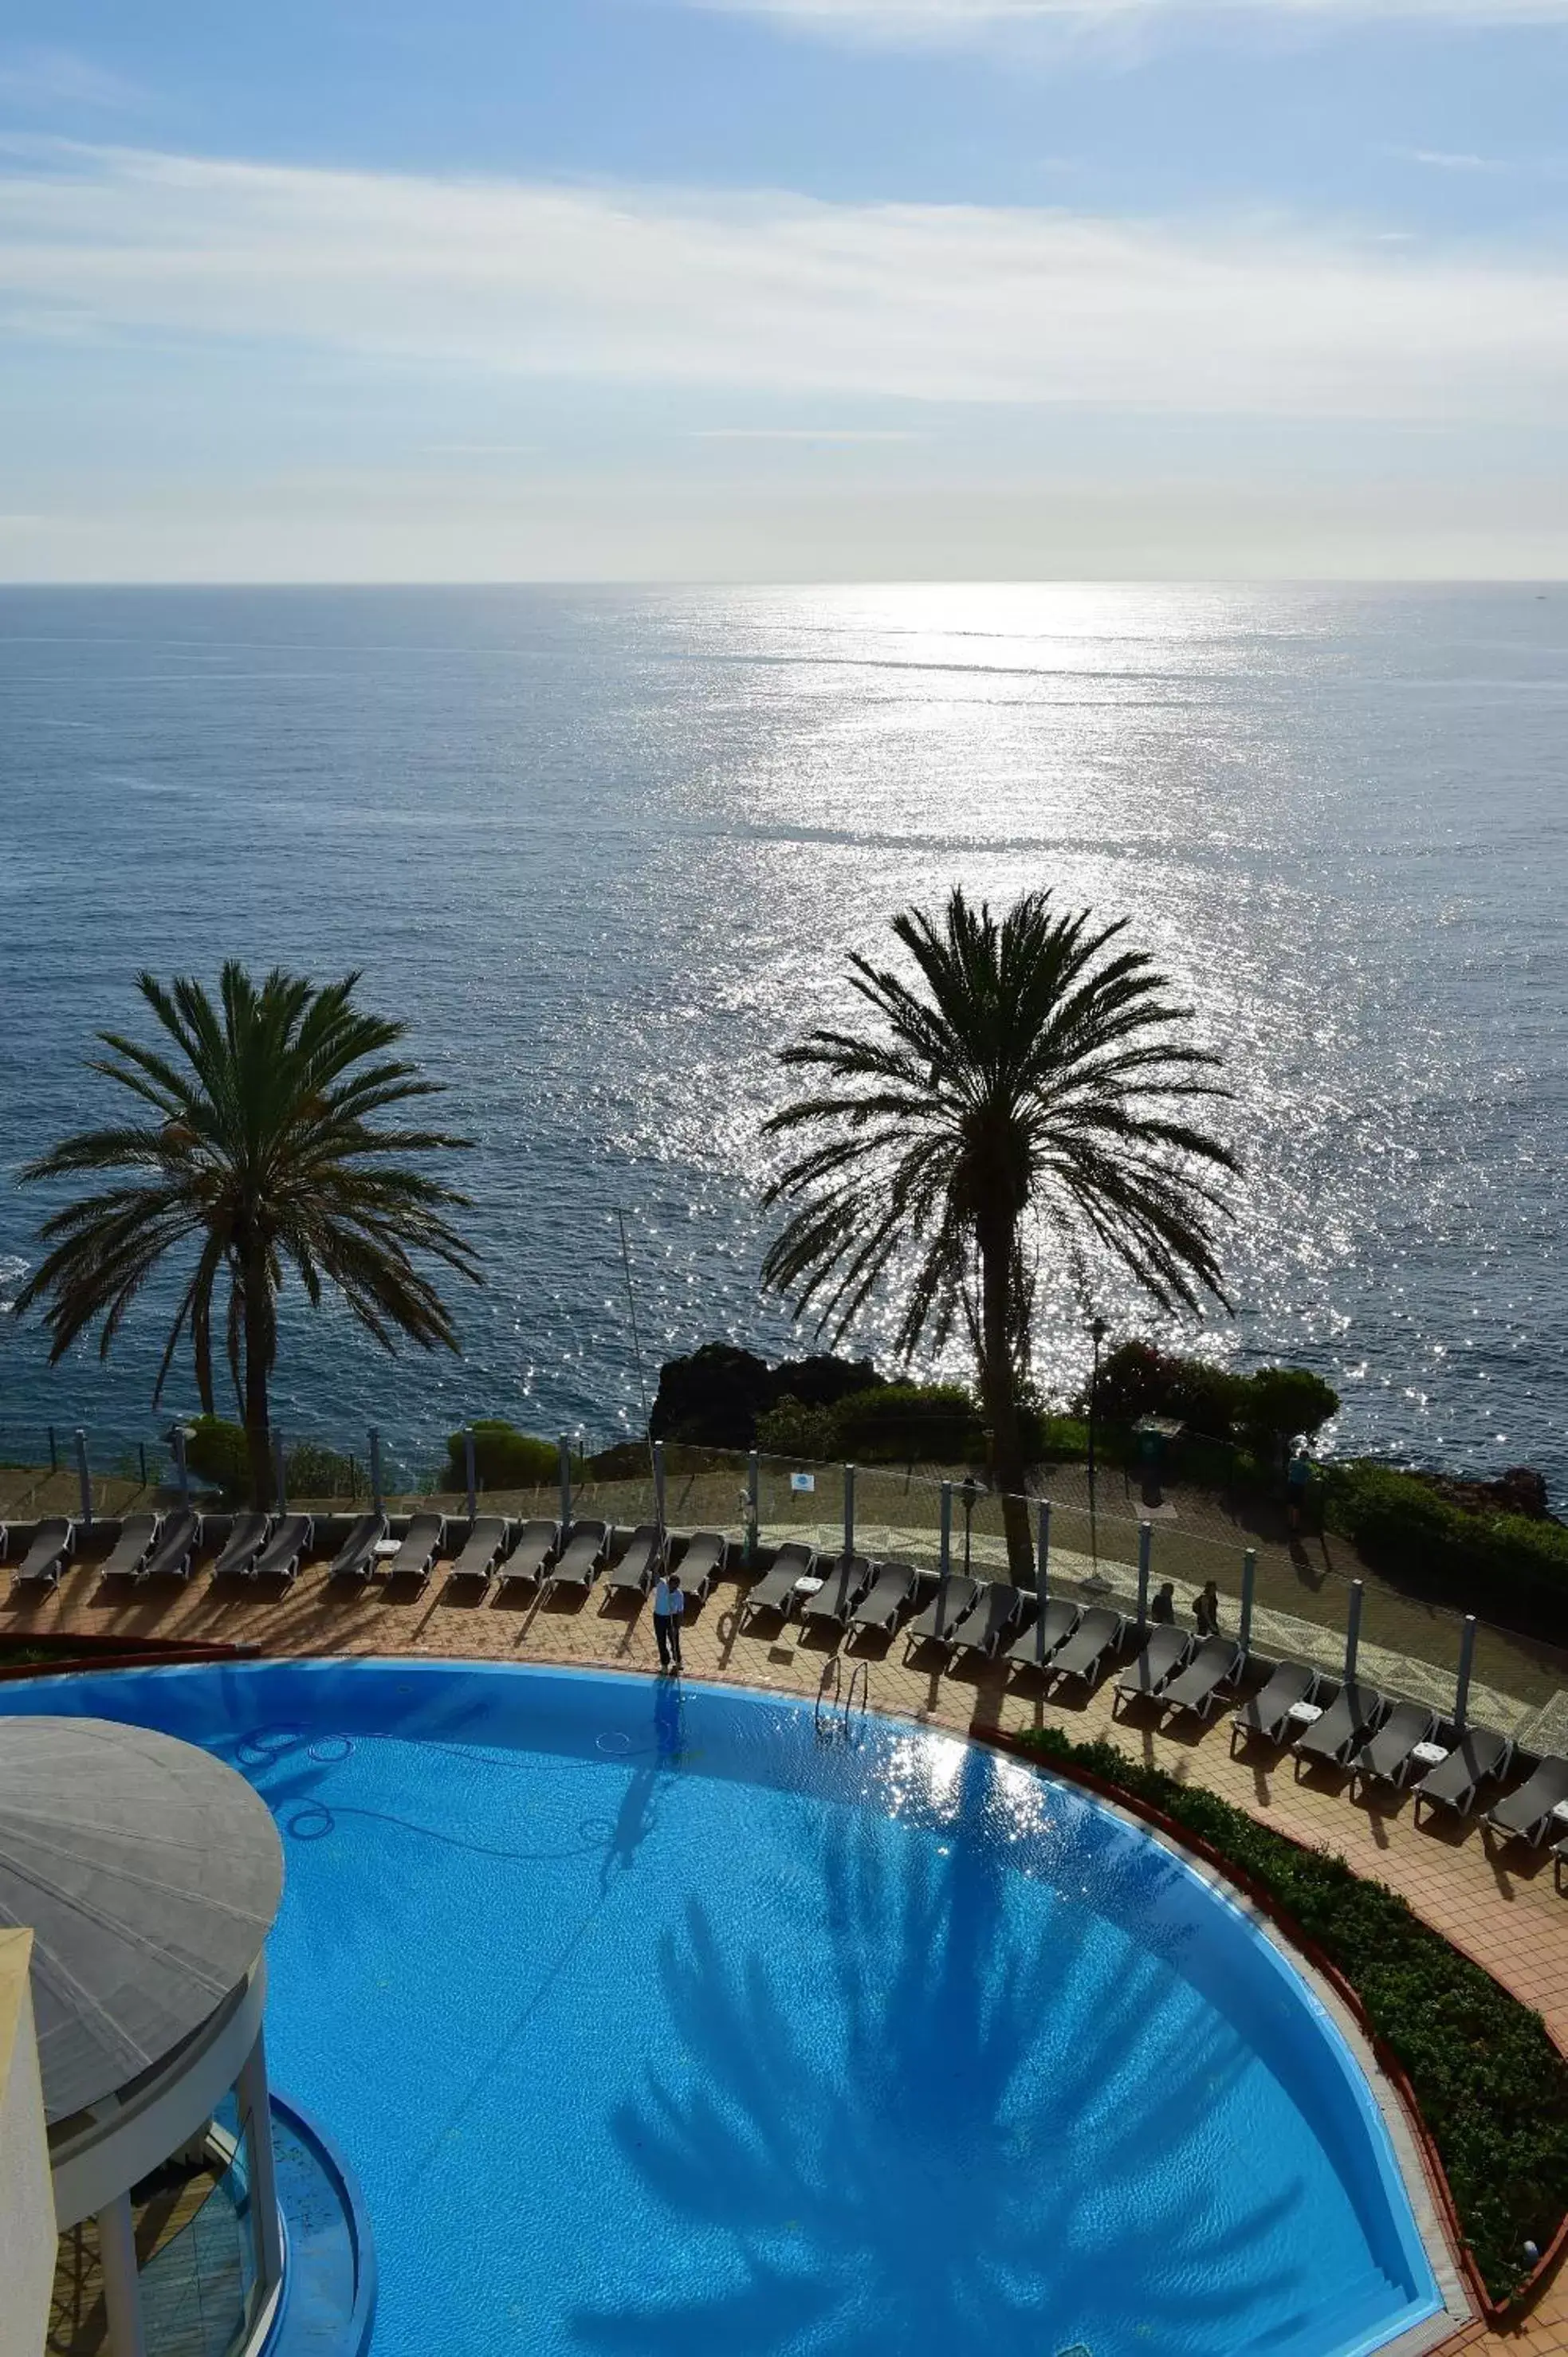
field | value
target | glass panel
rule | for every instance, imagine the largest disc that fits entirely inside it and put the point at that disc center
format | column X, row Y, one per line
column 200, row 2286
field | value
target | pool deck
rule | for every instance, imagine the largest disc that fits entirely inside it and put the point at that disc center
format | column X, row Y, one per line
column 1502, row 1908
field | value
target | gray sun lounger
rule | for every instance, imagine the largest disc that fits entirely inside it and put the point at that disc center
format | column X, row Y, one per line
column 1526, row 1815
column 941, row 1616
column 1099, row 1633
column 356, row 1560
column 415, row 1558
column 54, row 1543
column 706, row 1556
column 1388, row 1757
column 1203, row 1678
column 644, row 1556
column 1268, row 1714
column 992, row 1617
column 886, row 1597
column 1045, row 1635
column 581, row 1559
column 138, row 1536
column 774, row 1591
column 1479, row 1756
column 286, row 1549
column 177, row 1543
column 1332, row 1740
column 536, row 1543
column 844, row 1582
column 247, row 1534
column 1166, row 1653
column 482, row 1549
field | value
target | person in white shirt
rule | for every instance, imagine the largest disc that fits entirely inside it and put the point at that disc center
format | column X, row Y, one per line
column 668, row 1606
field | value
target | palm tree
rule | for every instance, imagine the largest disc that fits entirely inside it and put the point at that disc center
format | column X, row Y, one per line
column 262, row 1155
column 1031, row 1087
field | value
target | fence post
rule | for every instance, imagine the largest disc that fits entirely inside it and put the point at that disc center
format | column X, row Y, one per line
column 658, row 1486
column 566, row 1483
column 142, row 1454
column 1466, row 1659
column 1249, row 1581
column 1353, row 1629
column 754, row 1503
column 1145, row 1548
column 944, row 1557
column 54, row 1452
column 182, row 1472
column 1042, row 1577
column 470, row 1475
column 278, row 1483
column 84, row 1479
column 375, row 1440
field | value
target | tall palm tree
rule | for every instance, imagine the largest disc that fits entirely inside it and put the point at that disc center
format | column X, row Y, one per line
column 1031, row 1087
column 262, row 1156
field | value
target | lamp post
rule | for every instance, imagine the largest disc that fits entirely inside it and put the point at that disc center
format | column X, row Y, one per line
column 969, row 1492
column 1097, row 1333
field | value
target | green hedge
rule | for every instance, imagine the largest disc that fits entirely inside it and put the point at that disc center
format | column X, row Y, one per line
column 1506, row 1567
column 1492, row 2088
column 216, row 1452
column 504, row 1459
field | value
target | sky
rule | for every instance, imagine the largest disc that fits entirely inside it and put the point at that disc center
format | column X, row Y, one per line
column 783, row 289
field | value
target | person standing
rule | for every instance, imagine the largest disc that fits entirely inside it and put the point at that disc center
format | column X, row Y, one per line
column 1298, row 1478
column 1206, row 1610
column 1163, row 1609
column 668, row 1604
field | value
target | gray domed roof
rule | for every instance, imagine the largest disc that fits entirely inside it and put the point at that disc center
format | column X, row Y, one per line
column 149, row 1874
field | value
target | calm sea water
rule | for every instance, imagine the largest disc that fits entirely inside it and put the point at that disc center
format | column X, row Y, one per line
column 607, row 851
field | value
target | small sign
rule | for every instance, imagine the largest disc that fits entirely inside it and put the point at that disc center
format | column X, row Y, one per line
column 802, row 1481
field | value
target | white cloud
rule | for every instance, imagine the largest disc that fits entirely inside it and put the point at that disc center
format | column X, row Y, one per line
column 776, row 293
column 50, row 78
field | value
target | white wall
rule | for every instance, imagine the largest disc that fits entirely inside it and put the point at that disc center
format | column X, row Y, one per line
column 27, row 2235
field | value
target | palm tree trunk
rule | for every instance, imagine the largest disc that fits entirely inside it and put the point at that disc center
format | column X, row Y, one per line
column 999, row 1394
column 258, row 1367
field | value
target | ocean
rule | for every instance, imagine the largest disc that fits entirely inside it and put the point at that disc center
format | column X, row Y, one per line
column 607, row 851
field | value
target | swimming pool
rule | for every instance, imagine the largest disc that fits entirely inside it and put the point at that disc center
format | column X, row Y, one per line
column 652, row 2023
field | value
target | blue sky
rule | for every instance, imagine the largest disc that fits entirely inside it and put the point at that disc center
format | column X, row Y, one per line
column 835, row 287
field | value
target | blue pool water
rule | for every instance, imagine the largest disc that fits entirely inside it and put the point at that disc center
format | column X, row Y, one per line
column 652, row 2024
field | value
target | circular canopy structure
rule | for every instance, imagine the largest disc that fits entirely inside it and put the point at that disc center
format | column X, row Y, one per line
column 149, row 1874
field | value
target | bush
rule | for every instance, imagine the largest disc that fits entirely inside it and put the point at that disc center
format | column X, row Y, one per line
column 310, row 1471
column 217, row 1452
column 1136, row 1379
column 1495, row 1565
column 901, row 1423
column 1492, row 2088
column 793, row 1429
column 1279, row 1403
column 715, row 1397
column 504, row 1459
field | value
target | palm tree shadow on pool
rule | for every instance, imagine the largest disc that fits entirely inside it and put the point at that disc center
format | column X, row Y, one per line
column 979, row 2160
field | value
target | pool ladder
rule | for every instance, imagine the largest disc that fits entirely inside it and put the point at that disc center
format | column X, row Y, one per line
column 834, row 1715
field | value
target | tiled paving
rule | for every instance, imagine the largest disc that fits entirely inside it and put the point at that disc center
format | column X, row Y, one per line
column 1503, row 1909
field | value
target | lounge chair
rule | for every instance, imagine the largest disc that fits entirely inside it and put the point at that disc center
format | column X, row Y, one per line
column 774, row 1592
column 415, row 1558
column 1268, row 1714
column 286, row 1549
column 356, row 1558
column 846, row 1579
column 536, row 1543
column 579, row 1562
column 138, row 1536
column 178, row 1541
column 993, row 1616
column 1478, row 1755
column 1527, row 1815
column 247, row 1538
column 644, row 1556
column 942, row 1615
column 1560, row 1866
column 1166, row 1653
column 54, row 1543
column 1045, row 1635
column 706, row 1556
column 1388, row 1757
column 1098, row 1631
column 483, row 1549
column 1203, row 1678
column 1333, row 1739
column 891, row 1590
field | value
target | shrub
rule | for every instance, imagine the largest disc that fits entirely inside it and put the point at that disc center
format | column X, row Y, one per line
column 715, row 1397
column 1492, row 2088
column 310, row 1471
column 504, row 1457
column 793, row 1429
column 1136, row 1379
column 1279, row 1403
column 1508, row 1564
column 216, row 1452
column 899, row 1422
